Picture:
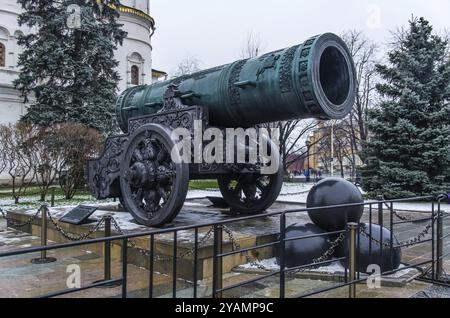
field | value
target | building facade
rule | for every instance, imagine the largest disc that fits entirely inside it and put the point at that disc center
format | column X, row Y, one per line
column 134, row 56
column 330, row 150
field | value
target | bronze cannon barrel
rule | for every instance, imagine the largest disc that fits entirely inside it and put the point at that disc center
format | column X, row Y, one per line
column 315, row 79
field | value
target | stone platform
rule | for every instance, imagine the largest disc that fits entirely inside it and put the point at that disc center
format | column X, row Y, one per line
column 19, row 278
column 196, row 211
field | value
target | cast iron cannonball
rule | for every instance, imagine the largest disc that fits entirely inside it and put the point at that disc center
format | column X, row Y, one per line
column 368, row 251
column 304, row 251
column 334, row 191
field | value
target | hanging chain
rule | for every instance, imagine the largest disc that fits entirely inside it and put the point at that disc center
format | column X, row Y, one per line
column 255, row 262
column 217, row 190
column 294, row 193
column 406, row 243
column 133, row 244
column 17, row 224
column 75, row 237
column 325, row 256
column 395, row 212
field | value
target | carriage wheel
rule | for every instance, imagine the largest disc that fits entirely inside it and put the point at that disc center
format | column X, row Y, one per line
column 153, row 186
column 251, row 193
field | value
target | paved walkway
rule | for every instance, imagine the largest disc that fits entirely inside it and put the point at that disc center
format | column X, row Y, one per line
column 20, row 278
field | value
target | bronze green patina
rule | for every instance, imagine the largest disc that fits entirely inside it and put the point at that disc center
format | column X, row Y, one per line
column 311, row 80
column 315, row 79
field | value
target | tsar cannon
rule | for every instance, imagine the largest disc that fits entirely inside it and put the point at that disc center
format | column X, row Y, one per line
column 315, row 79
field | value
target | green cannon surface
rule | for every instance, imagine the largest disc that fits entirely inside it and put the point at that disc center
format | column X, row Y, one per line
column 315, row 79
column 311, row 80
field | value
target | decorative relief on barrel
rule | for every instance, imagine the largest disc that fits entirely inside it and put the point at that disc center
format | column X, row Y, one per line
column 286, row 70
column 269, row 62
column 202, row 74
column 183, row 118
column 305, row 86
column 233, row 91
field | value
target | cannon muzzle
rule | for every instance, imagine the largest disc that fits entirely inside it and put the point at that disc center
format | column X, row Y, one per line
column 315, row 79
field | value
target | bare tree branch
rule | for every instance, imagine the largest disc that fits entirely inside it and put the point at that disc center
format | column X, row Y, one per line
column 187, row 66
column 251, row 47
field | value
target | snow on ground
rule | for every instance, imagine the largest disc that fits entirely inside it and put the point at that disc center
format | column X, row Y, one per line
column 298, row 193
column 290, row 192
column 335, row 267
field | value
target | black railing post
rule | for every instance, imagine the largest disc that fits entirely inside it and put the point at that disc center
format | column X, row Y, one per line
column 124, row 267
column 174, row 265
column 439, row 243
column 433, row 241
column 195, row 261
column 282, row 254
column 217, row 261
column 391, row 236
column 151, row 266
column 107, row 246
column 380, row 223
column 44, row 211
column 43, row 259
column 352, row 231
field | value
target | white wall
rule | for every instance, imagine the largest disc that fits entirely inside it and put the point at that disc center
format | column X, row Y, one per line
column 11, row 106
column 138, row 41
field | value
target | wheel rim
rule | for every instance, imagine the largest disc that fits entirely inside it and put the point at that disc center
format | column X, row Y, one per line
column 153, row 186
column 252, row 193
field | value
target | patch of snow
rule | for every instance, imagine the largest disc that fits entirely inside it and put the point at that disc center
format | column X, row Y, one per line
column 401, row 272
column 199, row 194
column 332, row 268
column 9, row 240
column 270, row 264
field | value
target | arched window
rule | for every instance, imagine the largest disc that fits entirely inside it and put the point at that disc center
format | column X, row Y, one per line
column 134, row 75
column 2, row 54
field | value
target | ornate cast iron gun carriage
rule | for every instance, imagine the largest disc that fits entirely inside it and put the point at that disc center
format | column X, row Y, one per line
column 315, row 79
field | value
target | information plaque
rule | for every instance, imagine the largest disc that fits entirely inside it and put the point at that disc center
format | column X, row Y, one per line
column 79, row 215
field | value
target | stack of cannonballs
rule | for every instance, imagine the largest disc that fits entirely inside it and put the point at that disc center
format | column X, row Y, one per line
column 333, row 192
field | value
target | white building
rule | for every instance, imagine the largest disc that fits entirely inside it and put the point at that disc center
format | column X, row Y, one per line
column 134, row 56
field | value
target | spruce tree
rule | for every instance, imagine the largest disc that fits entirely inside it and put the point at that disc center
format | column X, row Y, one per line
column 409, row 147
column 70, row 67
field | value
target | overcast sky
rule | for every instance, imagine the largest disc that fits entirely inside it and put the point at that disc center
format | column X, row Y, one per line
column 213, row 31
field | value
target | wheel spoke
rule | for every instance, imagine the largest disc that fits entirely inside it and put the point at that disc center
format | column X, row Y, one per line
column 152, row 202
column 137, row 155
column 250, row 191
column 237, row 190
column 138, row 196
column 263, row 187
column 164, row 194
column 162, row 155
column 151, row 184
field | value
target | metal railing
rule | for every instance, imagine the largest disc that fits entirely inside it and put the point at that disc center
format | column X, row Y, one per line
column 352, row 231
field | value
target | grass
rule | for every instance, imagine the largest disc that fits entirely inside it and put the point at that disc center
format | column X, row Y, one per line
column 203, row 184
column 31, row 198
column 6, row 192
